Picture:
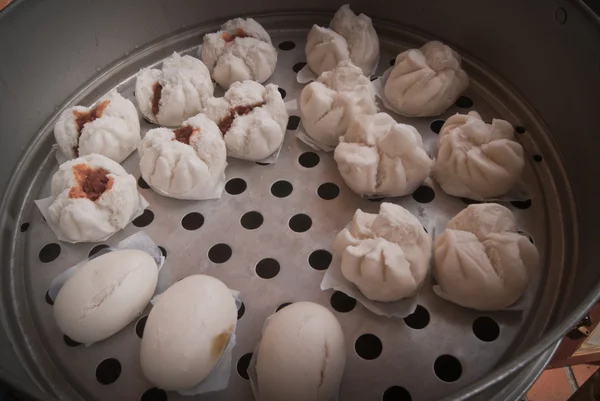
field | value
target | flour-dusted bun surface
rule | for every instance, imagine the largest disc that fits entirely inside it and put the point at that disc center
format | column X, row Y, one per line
column 252, row 119
column 178, row 90
column 481, row 262
column 477, row 160
column 301, row 356
column 110, row 128
column 186, row 163
column 386, row 255
column 187, row 331
column 425, row 82
column 240, row 51
column 329, row 104
column 105, row 295
column 378, row 156
column 349, row 37
column 94, row 197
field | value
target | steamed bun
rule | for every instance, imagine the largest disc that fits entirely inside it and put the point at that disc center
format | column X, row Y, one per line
column 425, row 82
column 329, row 104
column 477, row 160
column 349, row 37
column 241, row 50
column 378, row 156
column 175, row 92
column 252, row 119
column 481, row 262
column 94, row 197
column 110, row 128
column 385, row 255
column 186, row 163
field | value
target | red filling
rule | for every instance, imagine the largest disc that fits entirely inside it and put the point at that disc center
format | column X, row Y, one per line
column 227, row 121
column 184, row 133
column 156, row 95
column 239, row 33
column 91, row 182
column 82, row 118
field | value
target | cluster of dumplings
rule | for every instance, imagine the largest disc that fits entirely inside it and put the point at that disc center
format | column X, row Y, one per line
column 480, row 261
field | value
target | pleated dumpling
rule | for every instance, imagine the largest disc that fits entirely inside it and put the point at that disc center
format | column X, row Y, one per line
column 329, row 104
column 241, row 50
column 477, row 160
column 385, row 255
column 480, row 261
column 378, row 156
column 425, row 82
column 349, row 37
column 186, row 163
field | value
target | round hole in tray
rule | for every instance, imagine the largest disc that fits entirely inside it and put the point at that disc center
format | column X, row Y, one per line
column 267, row 268
column 282, row 92
column 396, row 393
column 235, row 186
column 298, row 66
column 140, row 326
column 143, row 184
column 220, row 253
column 560, row 15
column 526, row 204
column 328, row 191
column 283, row 305
column 108, row 371
column 537, row 158
column 300, row 223
column 287, row 45
column 468, row 201
column 242, row 365
column 464, row 102
column 419, row 319
column 281, row 189
column 145, row 219
column 527, row 235
column 49, row 252
column 342, row 302
column 424, row 194
column 293, row 123
column 447, row 368
column 70, row 342
column 375, row 200
column 192, row 221
column 320, row 259
column 49, row 300
column 97, row 249
column 24, row 227
column 520, row 130
column 154, row 394
column 486, row 329
column 436, row 125
column 252, row 220
column 263, row 164
column 393, row 61
column 309, row 159
column 368, row 346
column 241, row 311
column 163, row 251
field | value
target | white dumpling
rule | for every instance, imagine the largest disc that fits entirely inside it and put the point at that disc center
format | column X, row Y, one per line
column 349, row 37
column 385, row 255
column 477, row 160
column 110, row 128
column 172, row 94
column 94, row 197
column 329, row 104
column 186, row 163
column 301, row 356
column 240, row 51
column 378, row 156
column 481, row 262
column 425, row 82
column 252, row 119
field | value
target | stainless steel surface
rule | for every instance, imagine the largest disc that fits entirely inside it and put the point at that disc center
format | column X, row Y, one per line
column 71, row 61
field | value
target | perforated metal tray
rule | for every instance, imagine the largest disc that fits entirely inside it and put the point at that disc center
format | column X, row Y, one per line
column 250, row 232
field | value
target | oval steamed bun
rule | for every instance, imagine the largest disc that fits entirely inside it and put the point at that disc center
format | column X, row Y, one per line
column 481, row 262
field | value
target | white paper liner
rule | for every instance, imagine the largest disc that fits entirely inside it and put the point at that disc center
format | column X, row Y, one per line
column 305, row 75
column 44, row 205
column 334, row 279
column 197, row 193
column 253, row 375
